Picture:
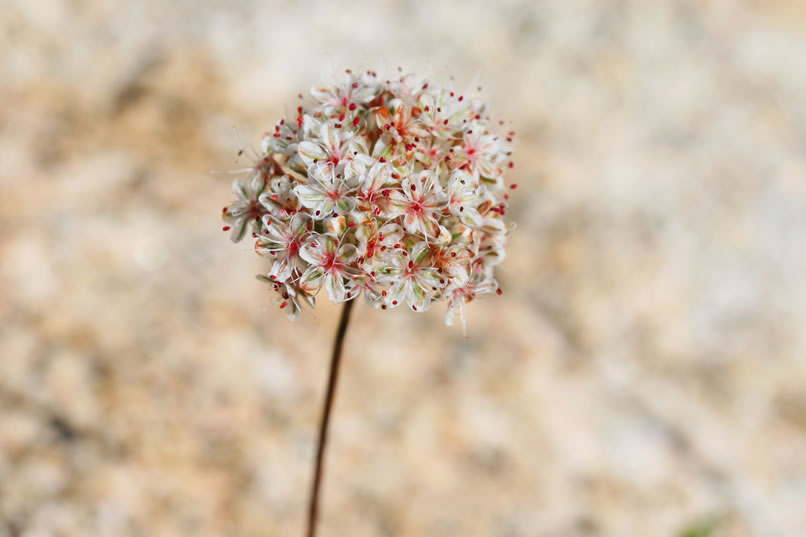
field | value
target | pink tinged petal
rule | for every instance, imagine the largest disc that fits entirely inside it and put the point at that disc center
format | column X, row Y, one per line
column 311, row 152
column 299, row 224
column 309, row 195
column 396, row 294
column 313, row 253
column 488, row 169
column 330, row 138
column 398, row 203
column 240, row 189
column 281, row 269
column 336, row 291
column 418, row 298
column 359, row 144
column 347, row 253
column 239, row 228
column 431, row 278
column 470, row 216
column 311, row 280
column 419, row 252
column 412, row 223
column 258, row 185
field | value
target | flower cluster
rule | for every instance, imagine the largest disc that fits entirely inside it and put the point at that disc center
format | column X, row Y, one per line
column 390, row 188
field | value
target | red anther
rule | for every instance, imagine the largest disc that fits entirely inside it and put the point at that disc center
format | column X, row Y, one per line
column 425, row 86
column 414, row 308
column 337, row 125
column 427, row 108
column 445, row 122
column 351, row 224
column 226, row 228
column 276, row 134
column 441, row 280
column 511, row 164
column 355, row 121
column 272, row 277
column 276, row 128
column 383, row 306
column 382, row 159
column 499, row 291
column 225, row 209
column 478, row 116
column 394, row 176
column 283, row 305
column 513, row 186
column 299, row 122
column 461, row 97
column 383, row 293
column 299, row 110
column 451, row 94
column 413, row 188
column 318, row 212
column 341, row 117
column 377, row 211
column 394, row 302
column 355, row 85
column 411, row 264
column 351, row 107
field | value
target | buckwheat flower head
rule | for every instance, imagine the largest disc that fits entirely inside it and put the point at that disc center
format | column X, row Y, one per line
column 393, row 189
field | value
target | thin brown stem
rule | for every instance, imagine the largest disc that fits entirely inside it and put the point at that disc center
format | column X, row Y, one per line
column 333, row 376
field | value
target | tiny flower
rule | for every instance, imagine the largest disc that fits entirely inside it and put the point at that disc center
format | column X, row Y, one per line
column 329, row 262
column 246, row 209
column 280, row 200
column 325, row 192
column 332, row 149
column 282, row 242
column 463, row 197
column 356, row 90
column 419, row 201
column 463, row 288
column 413, row 279
column 482, row 155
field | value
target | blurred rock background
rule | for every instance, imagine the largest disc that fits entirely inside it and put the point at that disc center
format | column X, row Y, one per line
column 642, row 375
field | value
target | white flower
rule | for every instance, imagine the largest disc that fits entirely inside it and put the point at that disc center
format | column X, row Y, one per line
column 329, row 262
column 325, row 191
column 393, row 190
column 282, row 242
column 413, row 279
column 246, row 209
column 420, row 201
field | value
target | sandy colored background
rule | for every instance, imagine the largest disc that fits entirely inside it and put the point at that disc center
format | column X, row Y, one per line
column 643, row 373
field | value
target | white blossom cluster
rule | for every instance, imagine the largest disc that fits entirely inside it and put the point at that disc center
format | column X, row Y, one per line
column 390, row 188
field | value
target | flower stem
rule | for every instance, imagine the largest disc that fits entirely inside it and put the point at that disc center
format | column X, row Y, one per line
column 333, row 376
